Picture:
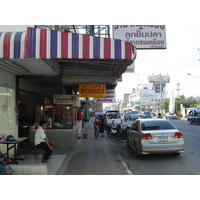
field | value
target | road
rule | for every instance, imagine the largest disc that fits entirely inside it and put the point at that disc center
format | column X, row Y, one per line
column 186, row 163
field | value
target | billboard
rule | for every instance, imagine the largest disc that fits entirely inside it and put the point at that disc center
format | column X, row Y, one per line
column 159, row 79
column 92, row 90
column 142, row 36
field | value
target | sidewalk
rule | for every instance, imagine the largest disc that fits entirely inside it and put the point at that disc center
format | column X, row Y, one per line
column 93, row 157
column 90, row 157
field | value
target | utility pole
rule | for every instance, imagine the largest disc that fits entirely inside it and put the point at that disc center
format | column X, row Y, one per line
column 178, row 89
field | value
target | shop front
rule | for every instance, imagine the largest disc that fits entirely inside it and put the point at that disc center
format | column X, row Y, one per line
column 61, row 117
column 49, row 62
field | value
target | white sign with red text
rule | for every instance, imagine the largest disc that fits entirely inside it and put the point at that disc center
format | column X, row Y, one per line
column 110, row 97
column 159, row 79
column 142, row 36
column 66, row 99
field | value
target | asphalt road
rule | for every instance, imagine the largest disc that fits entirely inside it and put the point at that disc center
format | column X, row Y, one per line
column 187, row 163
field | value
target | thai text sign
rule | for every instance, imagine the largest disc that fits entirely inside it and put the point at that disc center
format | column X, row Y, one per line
column 110, row 97
column 66, row 99
column 142, row 36
column 92, row 90
column 159, row 79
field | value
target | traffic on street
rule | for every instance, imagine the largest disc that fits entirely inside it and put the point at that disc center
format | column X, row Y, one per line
column 165, row 164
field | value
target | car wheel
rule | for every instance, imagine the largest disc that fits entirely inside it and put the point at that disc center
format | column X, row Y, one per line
column 116, row 136
column 136, row 152
column 176, row 154
column 190, row 121
column 127, row 143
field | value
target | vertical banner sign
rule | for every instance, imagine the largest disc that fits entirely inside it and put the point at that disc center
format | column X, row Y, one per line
column 92, row 90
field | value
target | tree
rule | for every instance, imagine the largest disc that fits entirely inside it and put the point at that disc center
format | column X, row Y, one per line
column 165, row 104
column 190, row 102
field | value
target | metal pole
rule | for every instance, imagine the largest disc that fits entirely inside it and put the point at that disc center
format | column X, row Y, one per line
column 160, row 92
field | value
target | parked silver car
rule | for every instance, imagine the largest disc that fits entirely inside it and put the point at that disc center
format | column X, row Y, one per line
column 171, row 116
column 147, row 136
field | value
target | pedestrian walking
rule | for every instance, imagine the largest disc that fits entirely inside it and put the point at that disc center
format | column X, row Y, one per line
column 101, row 126
column 97, row 124
column 159, row 115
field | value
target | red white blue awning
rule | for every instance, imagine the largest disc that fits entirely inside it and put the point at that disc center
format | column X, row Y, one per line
column 12, row 44
column 51, row 44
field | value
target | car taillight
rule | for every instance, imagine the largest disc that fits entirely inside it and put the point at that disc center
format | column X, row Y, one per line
column 178, row 135
column 146, row 136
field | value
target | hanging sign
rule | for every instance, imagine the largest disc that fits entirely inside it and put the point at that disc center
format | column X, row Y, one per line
column 92, row 90
column 66, row 99
column 110, row 97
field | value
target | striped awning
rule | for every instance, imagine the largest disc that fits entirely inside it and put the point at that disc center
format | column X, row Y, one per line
column 12, row 44
column 51, row 44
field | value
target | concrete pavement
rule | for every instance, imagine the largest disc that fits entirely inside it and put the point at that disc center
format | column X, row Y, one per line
column 93, row 157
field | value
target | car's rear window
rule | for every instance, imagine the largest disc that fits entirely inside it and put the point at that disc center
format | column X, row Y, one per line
column 133, row 112
column 156, row 125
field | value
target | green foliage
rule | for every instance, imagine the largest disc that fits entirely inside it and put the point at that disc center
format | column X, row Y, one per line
column 189, row 102
column 165, row 104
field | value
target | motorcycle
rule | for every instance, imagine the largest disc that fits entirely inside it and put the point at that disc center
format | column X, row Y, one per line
column 125, row 118
column 111, row 130
column 121, row 132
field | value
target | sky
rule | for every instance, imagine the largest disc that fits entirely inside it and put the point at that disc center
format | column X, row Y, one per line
column 177, row 60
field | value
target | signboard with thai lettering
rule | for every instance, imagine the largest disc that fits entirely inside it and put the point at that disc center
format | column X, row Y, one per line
column 142, row 36
column 66, row 99
column 110, row 97
column 159, row 78
column 92, row 90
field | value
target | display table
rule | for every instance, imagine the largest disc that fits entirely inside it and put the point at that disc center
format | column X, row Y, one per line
column 13, row 144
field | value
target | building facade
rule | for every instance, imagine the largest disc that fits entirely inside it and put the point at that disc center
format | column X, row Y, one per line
column 147, row 97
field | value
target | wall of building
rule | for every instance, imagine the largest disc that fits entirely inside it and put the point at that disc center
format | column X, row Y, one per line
column 144, row 94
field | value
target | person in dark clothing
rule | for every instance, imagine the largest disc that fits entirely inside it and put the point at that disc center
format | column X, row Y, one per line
column 97, row 124
column 101, row 126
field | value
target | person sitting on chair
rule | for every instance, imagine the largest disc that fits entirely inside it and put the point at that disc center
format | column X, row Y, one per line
column 41, row 141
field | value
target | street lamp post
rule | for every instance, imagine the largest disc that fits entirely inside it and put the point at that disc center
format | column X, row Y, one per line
column 193, row 75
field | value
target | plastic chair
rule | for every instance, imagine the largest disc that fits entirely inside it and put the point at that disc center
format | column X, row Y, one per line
column 37, row 152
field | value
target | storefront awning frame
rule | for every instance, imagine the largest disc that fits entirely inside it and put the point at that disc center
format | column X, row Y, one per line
column 69, row 53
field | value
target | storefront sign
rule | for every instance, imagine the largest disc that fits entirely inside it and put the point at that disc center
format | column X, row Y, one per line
column 92, row 90
column 142, row 36
column 110, row 97
column 66, row 99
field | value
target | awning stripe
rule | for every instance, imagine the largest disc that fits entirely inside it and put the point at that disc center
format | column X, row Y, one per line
column 53, row 45
column 17, row 44
column 96, row 48
column 64, row 45
column 6, row 45
column 117, row 49
column 44, row 43
column 107, row 48
column 86, row 46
